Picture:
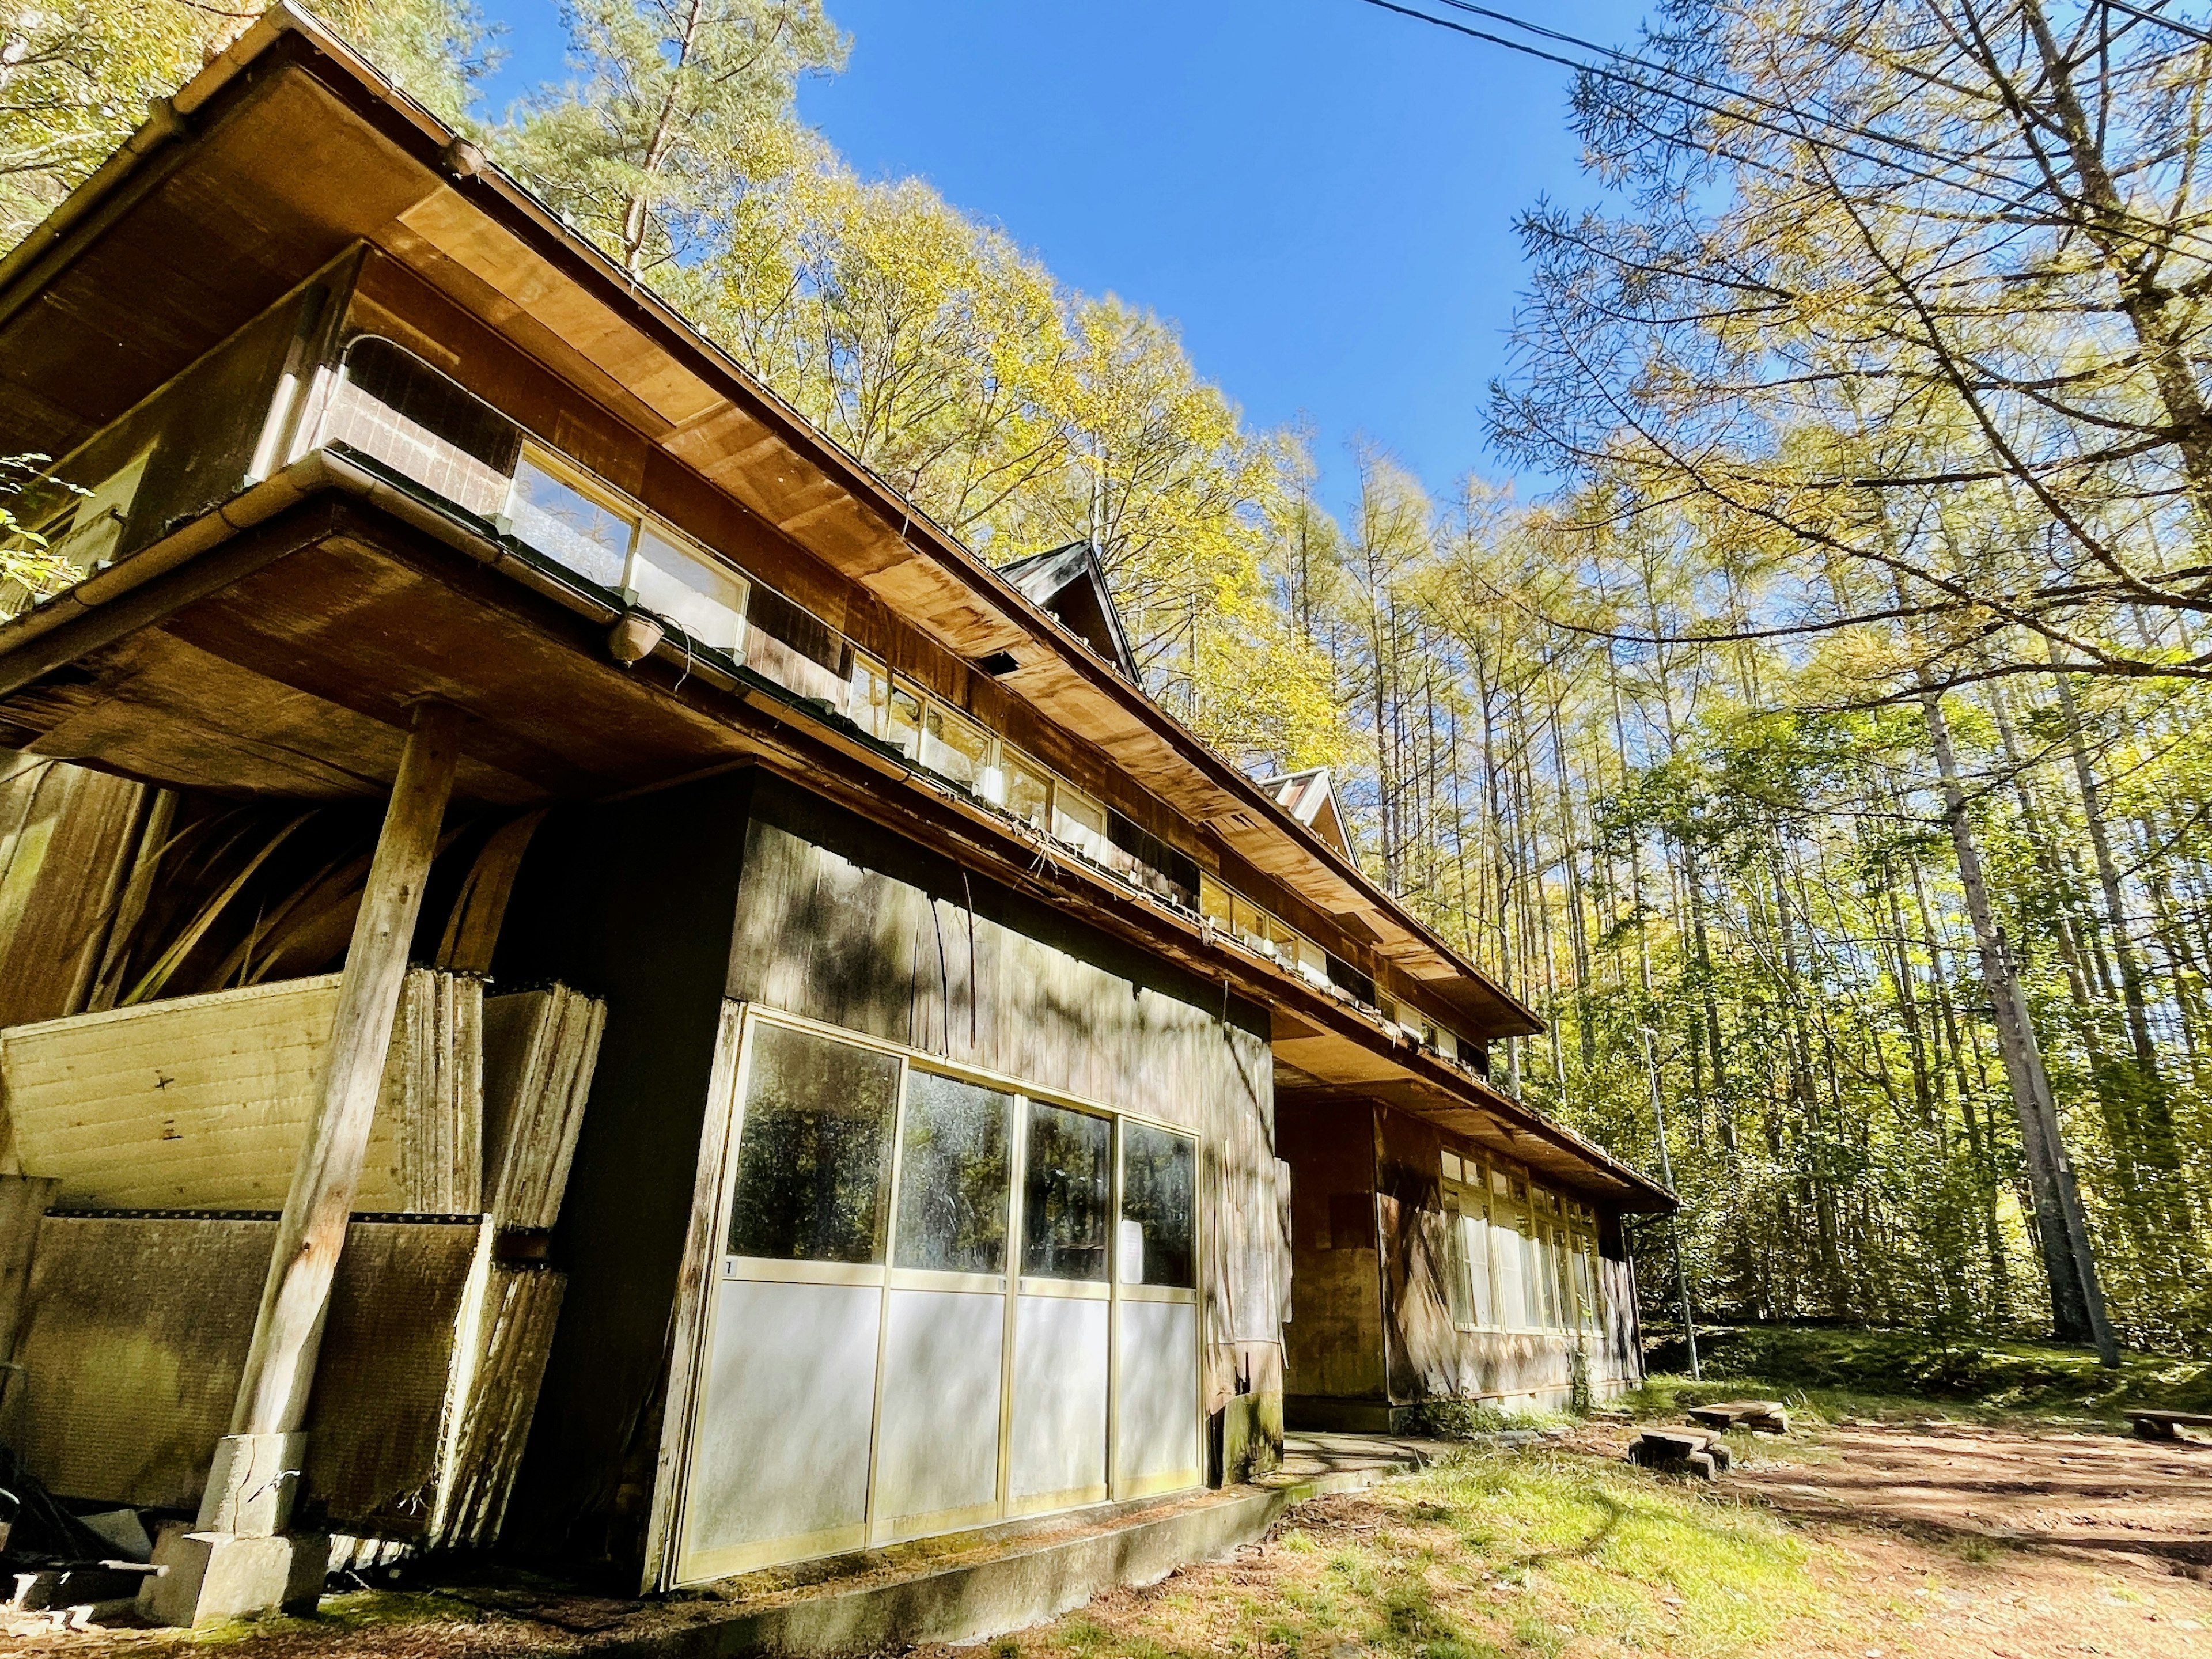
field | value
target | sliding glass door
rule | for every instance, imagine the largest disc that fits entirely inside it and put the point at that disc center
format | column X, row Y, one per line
column 941, row 1301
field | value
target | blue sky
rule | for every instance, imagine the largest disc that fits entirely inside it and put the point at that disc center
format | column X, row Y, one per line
column 1319, row 193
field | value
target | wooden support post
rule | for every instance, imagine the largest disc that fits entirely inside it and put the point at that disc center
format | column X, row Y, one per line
column 280, row 1368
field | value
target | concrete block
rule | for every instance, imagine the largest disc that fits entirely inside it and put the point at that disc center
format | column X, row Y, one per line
column 252, row 1483
column 207, row 1577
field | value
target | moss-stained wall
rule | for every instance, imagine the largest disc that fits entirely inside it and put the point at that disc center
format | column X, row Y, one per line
column 1369, row 1338
column 841, row 921
column 750, row 889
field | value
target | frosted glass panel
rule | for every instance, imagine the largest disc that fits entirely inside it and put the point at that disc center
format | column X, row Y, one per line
column 1476, row 1232
column 940, row 1424
column 1158, row 1419
column 1059, row 1448
column 782, row 1436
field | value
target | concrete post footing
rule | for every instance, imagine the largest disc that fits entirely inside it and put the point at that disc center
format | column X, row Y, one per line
column 206, row 1577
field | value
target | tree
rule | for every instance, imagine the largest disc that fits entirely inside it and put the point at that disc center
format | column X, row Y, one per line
column 678, row 105
column 76, row 77
column 1880, row 257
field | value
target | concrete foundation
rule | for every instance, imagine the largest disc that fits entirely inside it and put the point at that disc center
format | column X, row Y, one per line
column 208, row 1577
column 1019, row 1579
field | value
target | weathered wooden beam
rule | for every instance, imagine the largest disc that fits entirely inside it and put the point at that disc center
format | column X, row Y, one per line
column 272, row 1394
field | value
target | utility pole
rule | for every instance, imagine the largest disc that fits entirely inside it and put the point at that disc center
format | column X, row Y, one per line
column 1673, row 1222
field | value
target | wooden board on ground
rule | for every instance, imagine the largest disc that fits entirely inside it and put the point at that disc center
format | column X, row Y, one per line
column 1697, row 1451
column 2167, row 1426
column 202, row 1103
column 1763, row 1416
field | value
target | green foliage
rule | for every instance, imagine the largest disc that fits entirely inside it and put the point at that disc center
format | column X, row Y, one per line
column 1485, row 1555
column 79, row 75
column 1855, row 1370
column 677, row 105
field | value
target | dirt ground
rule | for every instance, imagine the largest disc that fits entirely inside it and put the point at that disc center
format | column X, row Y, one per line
column 1932, row 1539
column 2132, row 1506
column 1951, row 1541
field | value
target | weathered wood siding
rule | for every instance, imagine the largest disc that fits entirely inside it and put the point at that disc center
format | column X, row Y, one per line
column 1333, row 1345
column 67, row 835
column 631, row 902
column 844, row 923
column 1372, row 1336
column 750, row 888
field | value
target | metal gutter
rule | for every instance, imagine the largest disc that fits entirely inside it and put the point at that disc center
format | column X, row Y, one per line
column 324, row 470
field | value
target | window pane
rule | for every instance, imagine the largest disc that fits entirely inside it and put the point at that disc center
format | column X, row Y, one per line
column 1213, row 901
column 1505, row 1256
column 1079, row 820
column 393, row 406
column 952, row 747
column 814, row 1153
column 953, row 1169
column 1457, row 1289
column 705, row 601
column 1250, row 923
column 868, row 702
column 1476, row 1231
column 1028, row 795
column 568, row 525
column 1160, row 1185
column 1067, row 1193
column 902, row 722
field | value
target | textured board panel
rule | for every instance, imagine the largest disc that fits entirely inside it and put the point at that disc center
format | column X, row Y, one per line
column 375, row 1418
column 202, row 1102
column 780, row 1465
column 136, row 1334
column 65, row 834
column 1057, row 1449
column 1155, row 1414
column 938, row 1443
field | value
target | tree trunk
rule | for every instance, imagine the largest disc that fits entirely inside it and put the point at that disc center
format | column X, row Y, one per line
column 2077, row 1302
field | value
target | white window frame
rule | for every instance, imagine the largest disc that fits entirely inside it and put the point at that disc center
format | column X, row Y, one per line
column 640, row 519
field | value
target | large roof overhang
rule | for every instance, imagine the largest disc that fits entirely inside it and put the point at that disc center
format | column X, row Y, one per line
column 229, row 192
column 274, row 645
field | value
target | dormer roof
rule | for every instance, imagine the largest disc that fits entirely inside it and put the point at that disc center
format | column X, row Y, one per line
column 1068, row 584
column 1307, row 796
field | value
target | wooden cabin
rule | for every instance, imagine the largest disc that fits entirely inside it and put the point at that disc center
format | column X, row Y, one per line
column 811, row 1053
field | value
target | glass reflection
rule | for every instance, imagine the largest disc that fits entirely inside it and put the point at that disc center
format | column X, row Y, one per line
column 1066, row 1193
column 814, row 1154
column 567, row 525
column 1158, row 1203
column 953, row 1169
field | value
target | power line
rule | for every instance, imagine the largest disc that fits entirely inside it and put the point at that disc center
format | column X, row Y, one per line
column 2190, row 30
column 2008, row 200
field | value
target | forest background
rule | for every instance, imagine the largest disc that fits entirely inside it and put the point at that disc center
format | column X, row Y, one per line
column 1820, row 757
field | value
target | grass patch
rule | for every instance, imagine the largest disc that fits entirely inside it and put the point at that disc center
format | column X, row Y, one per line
column 1489, row 1554
column 1857, row 1371
column 1464, row 1419
column 339, row 1615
